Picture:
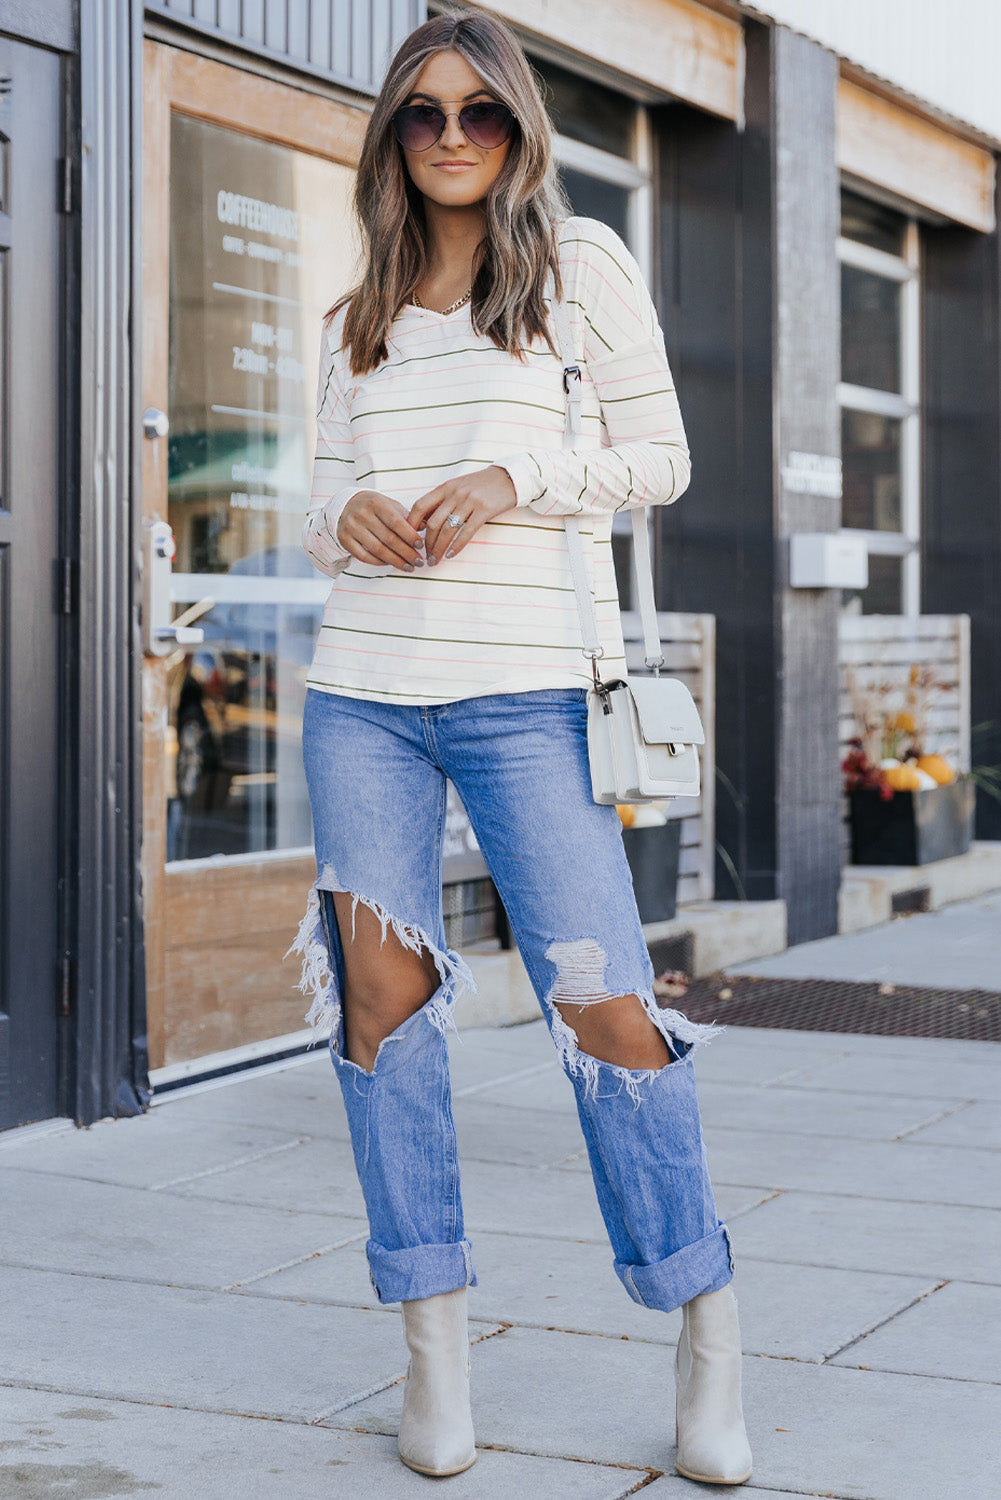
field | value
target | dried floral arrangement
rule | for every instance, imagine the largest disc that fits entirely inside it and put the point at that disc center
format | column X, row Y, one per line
column 889, row 754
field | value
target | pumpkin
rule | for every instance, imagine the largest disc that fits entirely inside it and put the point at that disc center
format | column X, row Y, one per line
column 938, row 768
column 902, row 778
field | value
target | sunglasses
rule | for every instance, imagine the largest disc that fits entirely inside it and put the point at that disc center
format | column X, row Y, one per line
column 487, row 124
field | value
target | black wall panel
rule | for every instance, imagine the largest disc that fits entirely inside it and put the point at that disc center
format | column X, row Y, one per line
column 716, row 548
column 961, row 523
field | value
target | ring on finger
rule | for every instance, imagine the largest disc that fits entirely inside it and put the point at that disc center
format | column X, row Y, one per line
column 454, row 521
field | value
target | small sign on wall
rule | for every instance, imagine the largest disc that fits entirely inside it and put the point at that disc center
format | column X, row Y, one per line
column 813, row 474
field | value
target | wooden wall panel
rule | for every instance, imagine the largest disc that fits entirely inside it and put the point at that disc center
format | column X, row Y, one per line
column 226, row 927
column 673, row 46
column 886, row 144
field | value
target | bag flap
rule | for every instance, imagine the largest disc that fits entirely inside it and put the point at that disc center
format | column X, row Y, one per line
column 666, row 711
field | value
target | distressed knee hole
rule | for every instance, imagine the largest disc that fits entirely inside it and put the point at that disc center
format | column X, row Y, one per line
column 315, row 944
column 580, row 984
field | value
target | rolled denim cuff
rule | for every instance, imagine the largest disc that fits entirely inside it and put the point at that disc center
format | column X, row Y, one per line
column 705, row 1266
column 419, row 1270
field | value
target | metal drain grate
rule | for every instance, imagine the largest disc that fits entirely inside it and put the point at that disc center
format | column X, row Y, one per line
column 834, row 1005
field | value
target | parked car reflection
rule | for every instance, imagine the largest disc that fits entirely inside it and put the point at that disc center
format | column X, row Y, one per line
column 233, row 703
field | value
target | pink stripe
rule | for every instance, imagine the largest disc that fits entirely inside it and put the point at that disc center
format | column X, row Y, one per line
column 457, row 661
column 593, row 270
column 521, row 424
column 336, row 606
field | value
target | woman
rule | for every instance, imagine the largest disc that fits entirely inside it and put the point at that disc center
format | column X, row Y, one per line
column 451, row 648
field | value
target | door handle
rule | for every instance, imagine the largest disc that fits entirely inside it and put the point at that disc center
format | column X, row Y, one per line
column 160, row 635
column 156, row 423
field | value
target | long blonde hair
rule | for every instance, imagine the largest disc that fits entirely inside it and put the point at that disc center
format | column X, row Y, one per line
column 523, row 206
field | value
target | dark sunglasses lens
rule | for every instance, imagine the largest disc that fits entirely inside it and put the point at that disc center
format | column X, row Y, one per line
column 418, row 126
column 486, row 125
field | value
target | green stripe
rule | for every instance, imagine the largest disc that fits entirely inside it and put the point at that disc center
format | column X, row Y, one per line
column 415, row 578
column 450, row 640
column 404, row 411
column 353, row 688
column 571, row 302
column 416, row 359
column 639, row 396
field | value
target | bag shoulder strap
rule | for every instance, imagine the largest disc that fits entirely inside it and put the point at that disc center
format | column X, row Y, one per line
column 653, row 651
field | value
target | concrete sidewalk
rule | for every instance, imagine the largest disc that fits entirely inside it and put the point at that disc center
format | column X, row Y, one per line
column 185, row 1310
column 955, row 948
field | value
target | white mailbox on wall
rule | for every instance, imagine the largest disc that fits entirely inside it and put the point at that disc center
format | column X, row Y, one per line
column 828, row 560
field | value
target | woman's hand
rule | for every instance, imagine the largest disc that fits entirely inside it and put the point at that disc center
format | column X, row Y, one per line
column 375, row 529
column 475, row 497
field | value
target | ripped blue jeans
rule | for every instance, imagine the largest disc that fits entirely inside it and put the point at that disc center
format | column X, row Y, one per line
column 377, row 784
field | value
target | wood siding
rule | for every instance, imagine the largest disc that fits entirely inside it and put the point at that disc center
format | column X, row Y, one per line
column 672, row 46
column 344, row 41
column 884, row 143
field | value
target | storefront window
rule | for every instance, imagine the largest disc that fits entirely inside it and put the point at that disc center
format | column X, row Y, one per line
column 261, row 244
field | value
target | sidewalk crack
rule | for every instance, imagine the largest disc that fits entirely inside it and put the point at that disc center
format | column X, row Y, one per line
column 493, row 1083
column 943, row 1114
column 298, row 1260
column 882, row 1322
column 228, row 1166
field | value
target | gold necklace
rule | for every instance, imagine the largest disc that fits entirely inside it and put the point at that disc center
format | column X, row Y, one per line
column 446, row 310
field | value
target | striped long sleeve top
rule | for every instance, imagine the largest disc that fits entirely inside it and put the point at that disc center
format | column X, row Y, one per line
column 501, row 616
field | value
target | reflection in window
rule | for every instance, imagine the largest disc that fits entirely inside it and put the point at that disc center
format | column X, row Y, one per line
column 884, row 596
column 872, row 224
column 258, row 252
column 587, row 111
column 870, row 461
column 870, row 329
column 594, row 199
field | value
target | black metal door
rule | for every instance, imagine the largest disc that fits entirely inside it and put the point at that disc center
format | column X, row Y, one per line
column 31, row 434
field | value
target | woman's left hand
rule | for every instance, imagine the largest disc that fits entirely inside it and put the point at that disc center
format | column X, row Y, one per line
column 476, row 498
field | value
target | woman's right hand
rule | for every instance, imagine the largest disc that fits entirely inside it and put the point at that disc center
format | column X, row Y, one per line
column 375, row 529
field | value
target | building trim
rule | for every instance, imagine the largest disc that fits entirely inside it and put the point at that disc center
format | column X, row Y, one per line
column 919, row 162
column 50, row 25
column 109, row 1076
column 679, row 50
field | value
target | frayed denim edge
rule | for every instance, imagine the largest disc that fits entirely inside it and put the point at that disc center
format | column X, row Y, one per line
column 580, row 980
column 317, row 977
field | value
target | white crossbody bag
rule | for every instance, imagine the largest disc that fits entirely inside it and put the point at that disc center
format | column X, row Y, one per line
column 643, row 733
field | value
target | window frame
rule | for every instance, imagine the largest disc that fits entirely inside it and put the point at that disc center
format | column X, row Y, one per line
column 904, row 405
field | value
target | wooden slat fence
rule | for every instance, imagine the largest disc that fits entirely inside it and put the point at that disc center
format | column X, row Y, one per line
column 879, row 651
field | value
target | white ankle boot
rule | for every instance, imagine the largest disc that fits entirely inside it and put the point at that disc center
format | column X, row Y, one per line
column 436, row 1428
column 712, row 1441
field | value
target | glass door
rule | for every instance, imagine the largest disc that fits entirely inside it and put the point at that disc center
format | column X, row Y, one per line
column 249, row 238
